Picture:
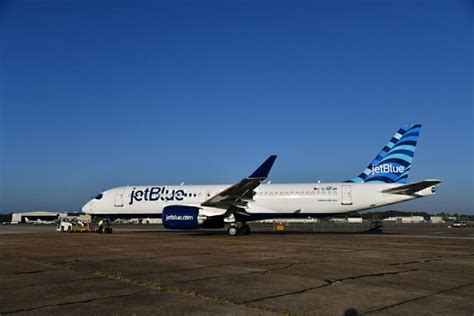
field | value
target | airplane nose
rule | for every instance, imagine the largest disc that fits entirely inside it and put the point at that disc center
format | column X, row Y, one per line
column 87, row 208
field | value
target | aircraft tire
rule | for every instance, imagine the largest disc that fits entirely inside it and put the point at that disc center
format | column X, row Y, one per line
column 233, row 230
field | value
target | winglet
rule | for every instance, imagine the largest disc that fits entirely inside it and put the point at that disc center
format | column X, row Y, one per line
column 264, row 169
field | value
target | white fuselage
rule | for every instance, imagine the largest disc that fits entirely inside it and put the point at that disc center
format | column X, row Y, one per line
column 273, row 200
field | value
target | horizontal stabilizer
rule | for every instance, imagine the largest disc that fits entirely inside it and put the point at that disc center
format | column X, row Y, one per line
column 412, row 188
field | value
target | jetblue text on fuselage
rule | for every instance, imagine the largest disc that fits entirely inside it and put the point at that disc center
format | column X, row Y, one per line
column 179, row 218
column 155, row 194
column 387, row 168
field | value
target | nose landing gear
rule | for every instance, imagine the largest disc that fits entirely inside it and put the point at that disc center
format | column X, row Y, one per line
column 236, row 229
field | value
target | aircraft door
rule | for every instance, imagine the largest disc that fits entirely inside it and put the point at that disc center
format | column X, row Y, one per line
column 346, row 195
column 119, row 197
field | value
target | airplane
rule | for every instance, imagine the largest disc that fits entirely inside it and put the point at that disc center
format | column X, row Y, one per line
column 38, row 221
column 383, row 182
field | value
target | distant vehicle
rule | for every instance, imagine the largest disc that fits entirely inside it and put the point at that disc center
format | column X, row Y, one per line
column 72, row 226
column 383, row 182
column 459, row 224
column 64, row 226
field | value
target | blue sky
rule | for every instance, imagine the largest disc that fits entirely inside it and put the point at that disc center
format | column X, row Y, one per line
column 99, row 94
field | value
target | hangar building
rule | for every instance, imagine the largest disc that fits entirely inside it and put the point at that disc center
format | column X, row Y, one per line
column 33, row 216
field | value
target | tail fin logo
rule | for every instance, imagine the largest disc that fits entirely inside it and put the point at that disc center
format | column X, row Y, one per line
column 387, row 168
column 393, row 163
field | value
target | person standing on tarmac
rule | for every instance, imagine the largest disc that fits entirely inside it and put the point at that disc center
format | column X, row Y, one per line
column 101, row 226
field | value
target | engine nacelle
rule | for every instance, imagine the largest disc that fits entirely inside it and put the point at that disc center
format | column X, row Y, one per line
column 181, row 217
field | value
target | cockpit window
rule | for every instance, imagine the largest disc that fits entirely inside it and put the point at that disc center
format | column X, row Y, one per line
column 98, row 197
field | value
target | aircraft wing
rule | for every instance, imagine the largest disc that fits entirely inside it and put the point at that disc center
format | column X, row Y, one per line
column 239, row 194
column 412, row 188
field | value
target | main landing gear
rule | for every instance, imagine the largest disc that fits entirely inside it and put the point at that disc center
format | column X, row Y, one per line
column 236, row 229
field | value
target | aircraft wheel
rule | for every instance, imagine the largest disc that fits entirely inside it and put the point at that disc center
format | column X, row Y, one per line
column 233, row 230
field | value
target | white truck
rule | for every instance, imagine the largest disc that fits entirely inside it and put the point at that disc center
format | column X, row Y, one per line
column 67, row 225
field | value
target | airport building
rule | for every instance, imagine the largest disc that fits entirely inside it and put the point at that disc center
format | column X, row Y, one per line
column 36, row 216
column 151, row 221
column 437, row 219
column 406, row 219
column 85, row 218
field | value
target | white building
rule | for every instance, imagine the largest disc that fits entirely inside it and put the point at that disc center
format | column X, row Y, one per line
column 288, row 220
column 85, row 218
column 354, row 220
column 33, row 216
column 436, row 219
column 338, row 220
column 151, row 221
column 405, row 219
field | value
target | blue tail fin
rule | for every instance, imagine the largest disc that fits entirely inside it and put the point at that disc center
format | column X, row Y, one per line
column 393, row 163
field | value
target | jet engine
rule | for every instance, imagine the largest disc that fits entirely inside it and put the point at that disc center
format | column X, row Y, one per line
column 181, row 217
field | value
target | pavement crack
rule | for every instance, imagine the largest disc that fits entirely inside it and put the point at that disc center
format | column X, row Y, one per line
column 117, row 276
column 329, row 282
column 417, row 261
column 30, row 272
column 65, row 304
column 218, row 276
column 270, row 270
column 374, row 275
column 416, row 299
column 48, row 283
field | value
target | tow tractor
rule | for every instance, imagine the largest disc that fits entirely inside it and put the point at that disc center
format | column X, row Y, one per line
column 72, row 225
column 104, row 227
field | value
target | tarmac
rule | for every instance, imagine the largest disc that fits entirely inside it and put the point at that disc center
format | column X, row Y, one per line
column 143, row 270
